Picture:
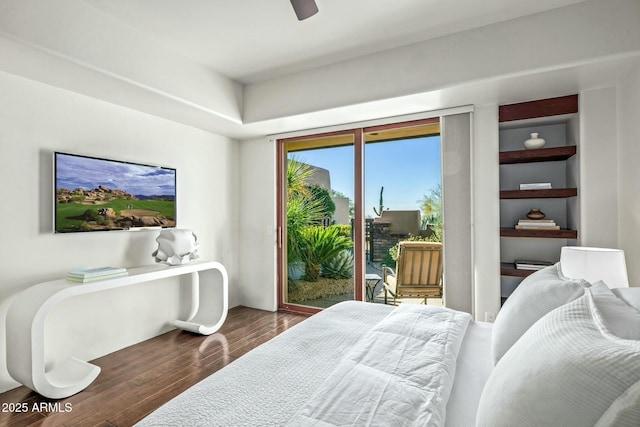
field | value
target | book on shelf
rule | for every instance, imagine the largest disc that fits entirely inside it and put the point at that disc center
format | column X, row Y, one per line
column 537, row 227
column 78, row 279
column 96, row 272
column 531, row 265
column 536, row 186
column 537, row 224
column 84, row 275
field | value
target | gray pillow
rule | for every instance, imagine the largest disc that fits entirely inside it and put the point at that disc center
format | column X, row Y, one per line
column 537, row 295
column 566, row 370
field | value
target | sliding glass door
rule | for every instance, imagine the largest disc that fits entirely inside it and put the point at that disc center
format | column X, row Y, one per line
column 332, row 239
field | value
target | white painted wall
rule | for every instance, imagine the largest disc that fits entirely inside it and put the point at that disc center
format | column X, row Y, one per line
column 257, row 255
column 37, row 119
column 598, row 156
column 629, row 172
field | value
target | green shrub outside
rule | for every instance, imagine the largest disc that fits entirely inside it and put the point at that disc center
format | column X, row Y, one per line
column 339, row 267
column 319, row 245
column 343, row 229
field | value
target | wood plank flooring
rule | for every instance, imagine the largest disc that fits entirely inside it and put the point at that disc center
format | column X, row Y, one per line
column 138, row 379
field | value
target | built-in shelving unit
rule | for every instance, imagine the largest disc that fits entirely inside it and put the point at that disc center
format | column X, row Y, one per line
column 555, row 120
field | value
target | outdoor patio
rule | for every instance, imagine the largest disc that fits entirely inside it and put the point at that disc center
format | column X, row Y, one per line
column 378, row 293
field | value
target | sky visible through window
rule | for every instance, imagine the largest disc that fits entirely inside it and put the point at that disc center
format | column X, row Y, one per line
column 408, row 169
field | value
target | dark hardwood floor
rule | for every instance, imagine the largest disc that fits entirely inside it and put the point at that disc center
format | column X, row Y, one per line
column 138, row 379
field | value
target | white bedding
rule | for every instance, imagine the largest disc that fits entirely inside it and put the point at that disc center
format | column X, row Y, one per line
column 269, row 385
column 399, row 374
column 473, row 367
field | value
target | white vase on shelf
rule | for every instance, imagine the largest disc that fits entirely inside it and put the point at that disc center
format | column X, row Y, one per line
column 534, row 142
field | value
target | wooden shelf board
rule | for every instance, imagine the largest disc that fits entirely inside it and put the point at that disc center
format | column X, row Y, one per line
column 538, row 155
column 509, row 269
column 539, row 108
column 553, row 193
column 548, row 234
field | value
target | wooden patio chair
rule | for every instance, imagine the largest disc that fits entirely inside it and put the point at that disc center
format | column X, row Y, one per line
column 418, row 272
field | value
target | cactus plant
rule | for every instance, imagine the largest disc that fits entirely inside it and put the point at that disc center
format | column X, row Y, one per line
column 339, row 267
column 380, row 204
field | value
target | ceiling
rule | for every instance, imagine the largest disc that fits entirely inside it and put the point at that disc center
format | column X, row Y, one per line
column 249, row 68
column 256, row 40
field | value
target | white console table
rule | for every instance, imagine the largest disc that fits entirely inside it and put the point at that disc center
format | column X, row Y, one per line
column 27, row 314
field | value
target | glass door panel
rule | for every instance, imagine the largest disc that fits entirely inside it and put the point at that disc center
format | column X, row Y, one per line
column 402, row 198
column 319, row 256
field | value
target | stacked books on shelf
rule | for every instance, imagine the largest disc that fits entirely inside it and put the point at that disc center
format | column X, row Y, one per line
column 532, row 265
column 94, row 274
column 537, row 224
column 536, row 186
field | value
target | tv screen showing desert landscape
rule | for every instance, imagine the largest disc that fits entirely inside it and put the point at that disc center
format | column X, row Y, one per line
column 96, row 194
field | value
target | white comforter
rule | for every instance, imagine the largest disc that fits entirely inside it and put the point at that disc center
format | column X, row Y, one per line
column 352, row 364
column 399, row 374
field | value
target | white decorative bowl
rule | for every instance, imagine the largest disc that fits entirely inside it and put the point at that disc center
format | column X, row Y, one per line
column 534, row 142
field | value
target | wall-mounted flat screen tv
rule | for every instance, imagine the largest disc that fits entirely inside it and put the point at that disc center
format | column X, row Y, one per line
column 96, row 194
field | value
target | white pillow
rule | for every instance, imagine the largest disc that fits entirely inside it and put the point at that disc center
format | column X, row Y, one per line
column 537, row 295
column 630, row 295
column 566, row 370
column 621, row 319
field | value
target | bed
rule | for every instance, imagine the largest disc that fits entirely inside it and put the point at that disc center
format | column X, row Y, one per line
column 358, row 363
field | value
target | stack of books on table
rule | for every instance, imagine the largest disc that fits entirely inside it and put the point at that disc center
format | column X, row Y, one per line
column 536, row 186
column 94, row 274
column 537, row 224
column 532, row 265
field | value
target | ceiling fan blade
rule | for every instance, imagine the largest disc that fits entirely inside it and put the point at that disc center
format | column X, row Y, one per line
column 304, row 8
